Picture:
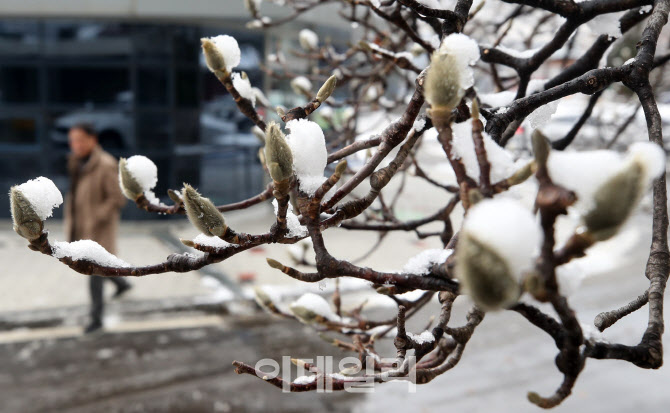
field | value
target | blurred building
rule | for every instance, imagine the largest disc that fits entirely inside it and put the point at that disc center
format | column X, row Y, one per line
column 134, row 70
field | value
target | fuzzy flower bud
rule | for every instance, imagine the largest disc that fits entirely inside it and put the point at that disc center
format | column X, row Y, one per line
column 222, row 53
column 130, row 187
column 202, row 213
column 326, row 89
column 265, row 300
column 450, row 74
column 278, row 154
column 26, row 222
column 301, row 85
column 442, row 89
column 31, row 203
column 311, row 308
column 308, row 39
column 617, row 197
column 495, row 247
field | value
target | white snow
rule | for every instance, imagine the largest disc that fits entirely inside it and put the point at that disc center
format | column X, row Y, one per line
column 542, row 115
column 310, row 156
column 521, row 54
column 425, row 260
column 87, row 250
column 508, row 228
column 502, row 163
column 467, row 52
column 43, row 196
column 301, row 85
column 316, row 304
column 535, row 85
column 308, row 39
column 208, row 241
column 425, row 337
column 651, row 156
column 586, row 171
column 243, row 86
column 305, row 379
column 143, row 170
column 419, row 124
column 229, row 49
column 607, row 24
column 495, row 100
column 292, row 222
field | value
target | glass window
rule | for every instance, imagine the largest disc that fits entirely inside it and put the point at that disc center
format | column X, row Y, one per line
column 187, row 127
column 152, row 86
column 19, row 37
column 153, row 129
column 89, row 85
column 90, row 39
column 19, row 84
column 18, row 130
column 186, row 84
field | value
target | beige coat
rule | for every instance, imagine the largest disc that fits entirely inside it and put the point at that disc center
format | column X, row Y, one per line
column 94, row 210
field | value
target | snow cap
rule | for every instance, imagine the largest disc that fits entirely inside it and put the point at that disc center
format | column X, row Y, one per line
column 496, row 246
column 31, row 203
column 221, row 52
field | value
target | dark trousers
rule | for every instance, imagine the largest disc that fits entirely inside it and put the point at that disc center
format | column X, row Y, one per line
column 97, row 301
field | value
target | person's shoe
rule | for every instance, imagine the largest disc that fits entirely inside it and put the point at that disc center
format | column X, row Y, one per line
column 121, row 291
column 93, row 327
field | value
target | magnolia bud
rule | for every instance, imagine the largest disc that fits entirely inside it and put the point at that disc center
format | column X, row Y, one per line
column 202, row 213
column 484, row 275
column 278, row 154
column 495, row 248
column 222, row 53
column 213, row 56
column 308, row 39
column 326, row 89
column 614, row 201
column 130, row 187
column 301, row 85
column 442, row 87
column 26, row 221
column 311, row 308
column 265, row 301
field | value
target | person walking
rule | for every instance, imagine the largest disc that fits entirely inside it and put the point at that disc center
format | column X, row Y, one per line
column 93, row 207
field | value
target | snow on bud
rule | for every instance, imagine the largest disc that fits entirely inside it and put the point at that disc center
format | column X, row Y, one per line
column 301, row 85
column 31, row 203
column 129, row 185
column 310, row 155
column 242, row 84
column 450, row 74
column 137, row 175
column 202, row 213
column 266, row 301
column 326, row 89
column 222, row 52
column 495, row 247
column 308, row 40
column 608, row 184
column 278, row 155
column 312, row 308
column 617, row 197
